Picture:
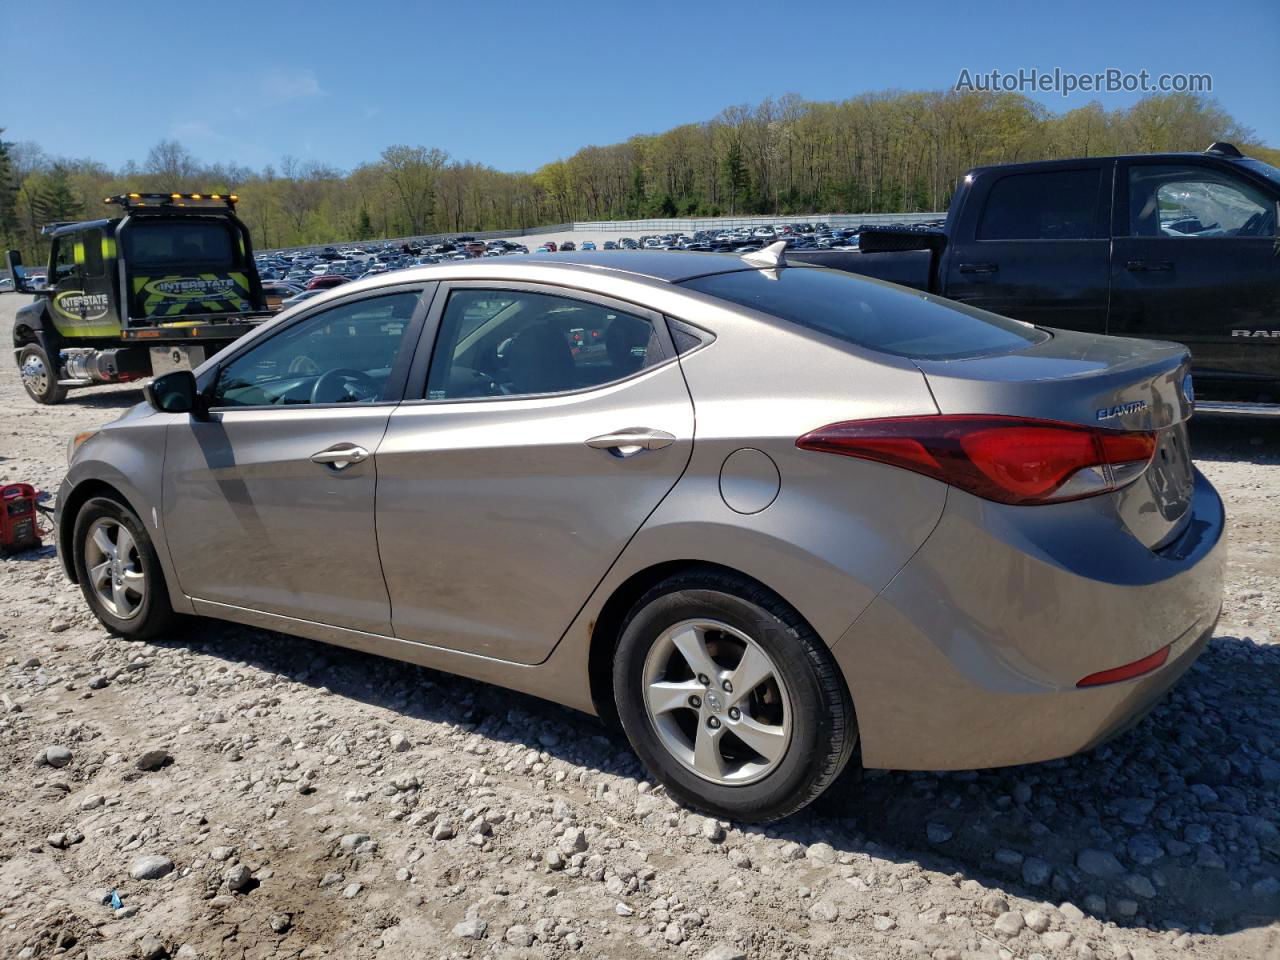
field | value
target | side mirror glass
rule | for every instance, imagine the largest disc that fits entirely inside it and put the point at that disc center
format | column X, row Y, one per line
column 13, row 260
column 174, row 393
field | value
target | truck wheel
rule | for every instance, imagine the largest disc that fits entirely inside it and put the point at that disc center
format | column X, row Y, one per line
column 39, row 375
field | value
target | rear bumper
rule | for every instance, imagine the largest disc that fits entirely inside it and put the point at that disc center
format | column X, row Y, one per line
column 971, row 656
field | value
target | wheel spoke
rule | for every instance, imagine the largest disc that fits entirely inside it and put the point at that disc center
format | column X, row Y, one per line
column 98, row 575
column 764, row 739
column 692, row 644
column 752, row 670
column 124, row 543
column 120, row 597
column 706, row 752
column 103, row 542
column 665, row 695
column 135, row 582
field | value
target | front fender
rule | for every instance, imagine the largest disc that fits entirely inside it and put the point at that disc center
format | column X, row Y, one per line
column 125, row 459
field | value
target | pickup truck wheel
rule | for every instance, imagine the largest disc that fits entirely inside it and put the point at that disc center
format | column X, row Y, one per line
column 39, row 375
column 119, row 572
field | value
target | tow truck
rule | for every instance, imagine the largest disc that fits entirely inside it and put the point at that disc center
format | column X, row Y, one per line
column 163, row 286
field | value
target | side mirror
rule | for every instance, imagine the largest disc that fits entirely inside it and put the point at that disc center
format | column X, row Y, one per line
column 175, row 393
column 13, row 260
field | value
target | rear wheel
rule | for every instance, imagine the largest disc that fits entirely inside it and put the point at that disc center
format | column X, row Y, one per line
column 119, row 572
column 40, row 375
column 730, row 699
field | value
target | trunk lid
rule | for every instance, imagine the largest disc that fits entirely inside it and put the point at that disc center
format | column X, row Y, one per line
column 1109, row 383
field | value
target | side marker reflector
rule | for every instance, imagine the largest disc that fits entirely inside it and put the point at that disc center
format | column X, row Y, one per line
column 1128, row 671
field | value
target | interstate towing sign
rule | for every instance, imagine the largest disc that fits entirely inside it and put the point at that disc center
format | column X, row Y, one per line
column 175, row 296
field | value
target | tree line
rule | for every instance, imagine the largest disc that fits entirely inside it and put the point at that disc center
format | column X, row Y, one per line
column 877, row 152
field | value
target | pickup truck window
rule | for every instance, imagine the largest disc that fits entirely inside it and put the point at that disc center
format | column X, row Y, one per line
column 162, row 243
column 1170, row 200
column 871, row 314
column 1055, row 205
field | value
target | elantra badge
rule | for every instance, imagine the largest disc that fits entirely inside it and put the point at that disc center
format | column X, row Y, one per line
column 1110, row 413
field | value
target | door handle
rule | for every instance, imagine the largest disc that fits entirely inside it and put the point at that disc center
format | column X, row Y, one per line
column 979, row 267
column 1150, row 266
column 341, row 455
column 629, row 442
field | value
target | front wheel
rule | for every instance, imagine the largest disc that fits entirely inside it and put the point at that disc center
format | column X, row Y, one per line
column 40, row 375
column 730, row 699
column 119, row 572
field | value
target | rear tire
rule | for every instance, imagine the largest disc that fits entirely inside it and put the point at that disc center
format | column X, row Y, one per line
column 119, row 571
column 757, row 753
column 40, row 375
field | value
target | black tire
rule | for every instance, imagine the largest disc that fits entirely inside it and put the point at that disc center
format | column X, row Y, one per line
column 823, row 726
column 43, row 389
column 154, row 614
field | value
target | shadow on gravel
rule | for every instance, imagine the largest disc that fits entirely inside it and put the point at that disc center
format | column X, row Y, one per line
column 1172, row 826
column 104, row 399
column 1255, row 439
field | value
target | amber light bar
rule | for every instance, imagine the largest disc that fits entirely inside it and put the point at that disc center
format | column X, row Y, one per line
column 128, row 200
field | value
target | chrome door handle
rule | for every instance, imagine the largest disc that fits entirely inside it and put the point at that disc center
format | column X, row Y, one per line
column 979, row 267
column 341, row 455
column 629, row 442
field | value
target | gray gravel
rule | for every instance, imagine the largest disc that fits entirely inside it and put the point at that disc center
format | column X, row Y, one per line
column 321, row 803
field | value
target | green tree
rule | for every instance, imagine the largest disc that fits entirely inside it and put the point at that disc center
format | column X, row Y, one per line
column 8, row 195
column 57, row 201
column 735, row 175
column 364, row 226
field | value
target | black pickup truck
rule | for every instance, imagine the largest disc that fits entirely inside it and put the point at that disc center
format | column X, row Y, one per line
column 1179, row 246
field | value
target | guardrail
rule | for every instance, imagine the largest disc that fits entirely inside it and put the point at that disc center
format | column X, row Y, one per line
column 695, row 224
column 659, row 226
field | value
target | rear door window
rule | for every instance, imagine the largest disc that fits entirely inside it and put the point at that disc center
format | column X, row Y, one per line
column 1057, row 205
column 870, row 314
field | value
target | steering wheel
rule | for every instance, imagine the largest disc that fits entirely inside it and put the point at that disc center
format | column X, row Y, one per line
column 344, row 385
column 1254, row 226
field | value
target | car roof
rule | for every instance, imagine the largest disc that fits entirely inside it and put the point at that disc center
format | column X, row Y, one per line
column 661, row 266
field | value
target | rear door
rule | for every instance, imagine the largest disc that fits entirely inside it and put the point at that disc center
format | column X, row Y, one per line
column 269, row 502
column 1034, row 246
column 551, row 425
column 1195, row 260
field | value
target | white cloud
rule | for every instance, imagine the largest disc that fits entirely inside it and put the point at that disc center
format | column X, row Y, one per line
column 281, row 84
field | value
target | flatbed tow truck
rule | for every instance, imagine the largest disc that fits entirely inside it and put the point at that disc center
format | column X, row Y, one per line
column 162, row 287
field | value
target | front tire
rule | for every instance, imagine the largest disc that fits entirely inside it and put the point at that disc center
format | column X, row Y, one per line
column 40, row 375
column 119, row 572
column 730, row 699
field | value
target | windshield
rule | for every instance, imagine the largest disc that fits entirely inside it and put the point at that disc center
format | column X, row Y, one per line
column 871, row 314
column 174, row 242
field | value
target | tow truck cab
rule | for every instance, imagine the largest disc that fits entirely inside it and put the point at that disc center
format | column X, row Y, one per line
column 164, row 286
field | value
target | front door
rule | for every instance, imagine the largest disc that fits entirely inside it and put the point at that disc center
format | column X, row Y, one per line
column 551, row 426
column 268, row 503
column 1195, row 260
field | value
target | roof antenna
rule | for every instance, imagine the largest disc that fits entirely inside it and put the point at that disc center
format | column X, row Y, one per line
column 772, row 256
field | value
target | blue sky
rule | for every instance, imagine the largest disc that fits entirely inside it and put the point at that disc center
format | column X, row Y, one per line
column 518, row 85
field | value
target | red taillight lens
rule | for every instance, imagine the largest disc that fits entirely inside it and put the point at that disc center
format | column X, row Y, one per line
column 1005, row 459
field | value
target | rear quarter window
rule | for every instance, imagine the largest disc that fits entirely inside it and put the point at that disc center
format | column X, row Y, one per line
column 870, row 314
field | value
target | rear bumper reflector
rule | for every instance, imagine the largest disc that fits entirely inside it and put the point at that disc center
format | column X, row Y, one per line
column 1128, row 671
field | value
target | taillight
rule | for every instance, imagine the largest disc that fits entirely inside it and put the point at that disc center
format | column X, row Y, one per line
column 1006, row 459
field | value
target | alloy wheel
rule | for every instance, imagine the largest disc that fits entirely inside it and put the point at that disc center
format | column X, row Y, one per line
column 115, row 570
column 717, row 702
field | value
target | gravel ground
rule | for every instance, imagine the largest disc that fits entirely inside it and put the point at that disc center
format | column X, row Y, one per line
column 244, row 794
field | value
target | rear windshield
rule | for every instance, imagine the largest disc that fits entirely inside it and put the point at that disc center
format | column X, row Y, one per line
column 174, row 242
column 870, row 314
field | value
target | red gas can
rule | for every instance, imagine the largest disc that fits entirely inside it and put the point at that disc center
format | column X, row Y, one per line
column 18, row 528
